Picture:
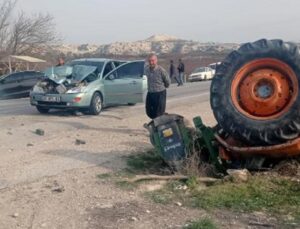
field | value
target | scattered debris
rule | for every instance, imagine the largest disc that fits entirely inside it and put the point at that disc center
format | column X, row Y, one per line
column 78, row 113
column 181, row 187
column 134, row 219
column 56, row 187
column 29, row 145
column 239, row 175
column 178, row 204
column 9, row 133
column 39, row 132
column 15, row 215
column 103, row 206
column 80, row 142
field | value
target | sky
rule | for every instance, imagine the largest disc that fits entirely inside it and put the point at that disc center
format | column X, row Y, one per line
column 107, row 21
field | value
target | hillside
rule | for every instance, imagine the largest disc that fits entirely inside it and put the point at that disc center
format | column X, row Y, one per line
column 160, row 44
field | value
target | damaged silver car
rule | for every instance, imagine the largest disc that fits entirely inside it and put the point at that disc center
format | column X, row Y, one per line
column 90, row 85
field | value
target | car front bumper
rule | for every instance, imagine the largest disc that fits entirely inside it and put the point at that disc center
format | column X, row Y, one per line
column 60, row 101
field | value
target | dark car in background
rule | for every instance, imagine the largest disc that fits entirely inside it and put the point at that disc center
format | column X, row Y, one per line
column 18, row 84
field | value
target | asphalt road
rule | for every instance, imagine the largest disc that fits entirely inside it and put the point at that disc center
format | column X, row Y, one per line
column 194, row 90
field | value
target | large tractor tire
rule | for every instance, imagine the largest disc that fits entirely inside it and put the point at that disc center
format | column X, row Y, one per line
column 255, row 93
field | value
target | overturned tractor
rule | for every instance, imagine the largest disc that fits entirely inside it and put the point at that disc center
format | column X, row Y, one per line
column 255, row 99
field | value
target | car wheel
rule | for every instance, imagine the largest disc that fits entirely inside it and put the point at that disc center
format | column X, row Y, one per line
column 255, row 93
column 42, row 110
column 131, row 104
column 96, row 104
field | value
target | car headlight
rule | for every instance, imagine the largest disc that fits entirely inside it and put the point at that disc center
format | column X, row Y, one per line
column 76, row 90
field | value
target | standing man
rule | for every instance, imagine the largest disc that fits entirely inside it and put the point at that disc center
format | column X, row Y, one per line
column 180, row 69
column 61, row 62
column 158, row 82
column 172, row 72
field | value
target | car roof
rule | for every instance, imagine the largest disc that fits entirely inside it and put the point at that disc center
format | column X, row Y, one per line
column 96, row 59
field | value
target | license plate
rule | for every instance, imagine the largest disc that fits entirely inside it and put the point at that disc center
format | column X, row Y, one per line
column 51, row 98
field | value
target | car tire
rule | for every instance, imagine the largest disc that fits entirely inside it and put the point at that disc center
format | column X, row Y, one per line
column 42, row 110
column 230, row 103
column 96, row 104
column 131, row 104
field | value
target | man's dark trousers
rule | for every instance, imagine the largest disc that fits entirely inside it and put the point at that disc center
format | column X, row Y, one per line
column 156, row 104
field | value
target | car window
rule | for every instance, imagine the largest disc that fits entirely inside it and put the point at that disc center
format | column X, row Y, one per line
column 33, row 75
column 8, row 79
column 131, row 70
column 118, row 63
column 19, row 77
column 199, row 70
column 13, row 78
column 108, row 68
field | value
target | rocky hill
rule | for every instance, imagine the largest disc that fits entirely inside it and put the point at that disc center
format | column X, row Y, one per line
column 160, row 44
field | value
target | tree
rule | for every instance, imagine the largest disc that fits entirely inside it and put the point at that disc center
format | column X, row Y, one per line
column 24, row 34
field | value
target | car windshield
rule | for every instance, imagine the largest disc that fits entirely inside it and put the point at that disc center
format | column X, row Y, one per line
column 76, row 72
column 61, row 71
column 199, row 70
column 3, row 76
column 81, row 71
column 97, row 64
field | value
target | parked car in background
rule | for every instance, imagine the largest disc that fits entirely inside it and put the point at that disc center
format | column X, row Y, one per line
column 90, row 85
column 18, row 84
column 202, row 73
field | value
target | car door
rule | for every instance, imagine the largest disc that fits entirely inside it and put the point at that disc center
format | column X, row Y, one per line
column 125, row 84
column 20, row 87
column 9, row 85
column 31, row 78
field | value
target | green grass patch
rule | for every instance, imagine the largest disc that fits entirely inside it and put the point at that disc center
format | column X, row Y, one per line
column 201, row 224
column 148, row 162
column 273, row 195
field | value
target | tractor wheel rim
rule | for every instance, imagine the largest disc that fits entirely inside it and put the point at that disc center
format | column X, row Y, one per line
column 264, row 89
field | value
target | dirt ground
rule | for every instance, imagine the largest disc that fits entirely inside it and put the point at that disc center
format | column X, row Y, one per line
column 51, row 182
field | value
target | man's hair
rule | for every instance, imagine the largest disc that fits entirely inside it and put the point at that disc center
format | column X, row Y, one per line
column 152, row 55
